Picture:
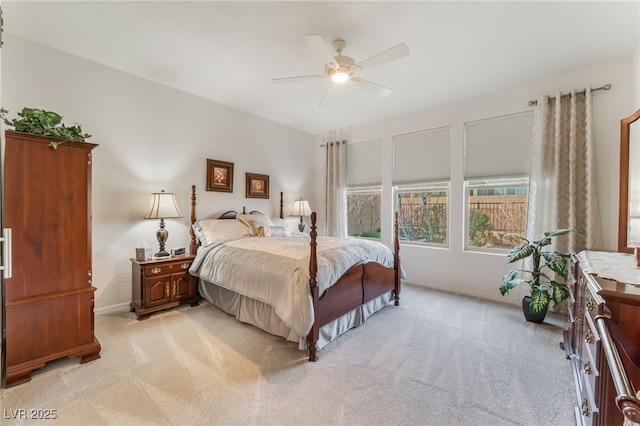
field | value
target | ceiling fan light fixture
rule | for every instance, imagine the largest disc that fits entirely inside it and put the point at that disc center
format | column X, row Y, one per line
column 339, row 77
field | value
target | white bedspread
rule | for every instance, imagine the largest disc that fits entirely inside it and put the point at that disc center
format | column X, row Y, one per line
column 276, row 270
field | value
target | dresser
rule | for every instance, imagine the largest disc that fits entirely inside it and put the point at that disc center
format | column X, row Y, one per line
column 49, row 299
column 601, row 301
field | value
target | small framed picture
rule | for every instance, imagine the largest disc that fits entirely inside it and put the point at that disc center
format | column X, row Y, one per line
column 219, row 176
column 257, row 186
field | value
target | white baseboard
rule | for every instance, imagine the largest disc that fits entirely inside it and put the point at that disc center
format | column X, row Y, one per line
column 113, row 309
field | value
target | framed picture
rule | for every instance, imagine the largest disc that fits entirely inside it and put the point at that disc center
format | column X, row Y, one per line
column 219, row 176
column 257, row 186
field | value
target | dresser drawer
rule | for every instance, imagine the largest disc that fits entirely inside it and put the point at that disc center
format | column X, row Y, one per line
column 587, row 406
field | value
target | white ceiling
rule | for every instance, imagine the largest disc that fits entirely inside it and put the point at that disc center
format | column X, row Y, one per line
column 228, row 52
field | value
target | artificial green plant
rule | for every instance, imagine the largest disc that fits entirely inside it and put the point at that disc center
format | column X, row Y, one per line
column 46, row 123
column 544, row 288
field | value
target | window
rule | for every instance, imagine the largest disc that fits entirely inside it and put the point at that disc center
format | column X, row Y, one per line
column 497, row 156
column 496, row 209
column 421, row 179
column 364, row 190
column 423, row 212
column 363, row 211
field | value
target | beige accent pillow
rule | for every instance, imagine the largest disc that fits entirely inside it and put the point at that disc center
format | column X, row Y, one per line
column 273, row 231
column 254, row 221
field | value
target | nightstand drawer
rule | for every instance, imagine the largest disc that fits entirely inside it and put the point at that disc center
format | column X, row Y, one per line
column 166, row 269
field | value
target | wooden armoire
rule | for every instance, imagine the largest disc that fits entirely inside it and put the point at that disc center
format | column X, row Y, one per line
column 49, row 297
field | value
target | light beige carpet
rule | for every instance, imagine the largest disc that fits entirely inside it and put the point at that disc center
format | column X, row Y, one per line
column 438, row 359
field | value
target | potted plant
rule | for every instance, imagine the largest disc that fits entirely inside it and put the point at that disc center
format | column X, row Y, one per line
column 544, row 288
column 46, row 123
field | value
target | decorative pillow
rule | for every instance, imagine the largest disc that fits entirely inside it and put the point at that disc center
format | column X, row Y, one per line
column 273, row 231
column 280, row 222
column 197, row 231
column 254, row 221
column 218, row 230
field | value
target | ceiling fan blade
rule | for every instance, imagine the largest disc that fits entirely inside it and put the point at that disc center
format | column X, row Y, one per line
column 396, row 52
column 317, row 42
column 294, row 79
column 374, row 88
column 325, row 94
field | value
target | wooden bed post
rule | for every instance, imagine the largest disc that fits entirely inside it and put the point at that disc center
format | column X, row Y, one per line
column 396, row 258
column 281, row 205
column 194, row 244
column 312, row 338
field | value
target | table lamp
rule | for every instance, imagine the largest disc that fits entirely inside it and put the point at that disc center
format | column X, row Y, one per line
column 301, row 208
column 163, row 206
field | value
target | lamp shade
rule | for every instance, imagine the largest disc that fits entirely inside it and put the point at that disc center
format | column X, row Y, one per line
column 163, row 206
column 301, row 208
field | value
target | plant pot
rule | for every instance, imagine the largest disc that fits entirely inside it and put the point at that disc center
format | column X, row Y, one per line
column 538, row 318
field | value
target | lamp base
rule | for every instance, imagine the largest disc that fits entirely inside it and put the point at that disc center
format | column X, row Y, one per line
column 162, row 235
column 301, row 226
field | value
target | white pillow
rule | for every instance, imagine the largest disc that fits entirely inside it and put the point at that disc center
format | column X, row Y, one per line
column 254, row 221
column 197, row 231
column 273, row 231
column 218, row 230
column 280, row 222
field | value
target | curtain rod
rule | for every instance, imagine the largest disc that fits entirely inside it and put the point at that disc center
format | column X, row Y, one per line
column 582, row 92
column 337, row 142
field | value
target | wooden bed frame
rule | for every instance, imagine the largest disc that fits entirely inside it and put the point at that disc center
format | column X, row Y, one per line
column 359, row 285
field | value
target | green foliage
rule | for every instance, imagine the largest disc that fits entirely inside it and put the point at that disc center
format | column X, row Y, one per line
column 433, row 228
column 45, row 123
column 544, row 289
column 369, row 234
column 480, row 228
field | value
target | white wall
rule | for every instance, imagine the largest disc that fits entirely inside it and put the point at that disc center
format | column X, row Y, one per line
column 636, row 73
column 479, row 274
column 150, row 138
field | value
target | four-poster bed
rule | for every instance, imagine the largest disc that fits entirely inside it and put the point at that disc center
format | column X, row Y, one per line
column 333, row 285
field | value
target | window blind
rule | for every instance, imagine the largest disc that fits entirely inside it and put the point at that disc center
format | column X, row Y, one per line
column 422, row 156
column 499, row 147
column 364, row 163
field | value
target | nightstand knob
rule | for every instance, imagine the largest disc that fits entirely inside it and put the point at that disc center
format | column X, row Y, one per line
column 155, row 270
column 184, row 266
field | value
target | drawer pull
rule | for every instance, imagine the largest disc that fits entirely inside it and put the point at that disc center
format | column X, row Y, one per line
column 585, row 408
column 591, row 305
column 588, row 336
column 587, row 367
column 155, row 270
column 184, row 266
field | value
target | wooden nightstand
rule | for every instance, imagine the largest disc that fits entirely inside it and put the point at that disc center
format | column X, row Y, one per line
column 161, row 284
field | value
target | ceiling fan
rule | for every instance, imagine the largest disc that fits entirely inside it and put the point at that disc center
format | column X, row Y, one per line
column 342, row 69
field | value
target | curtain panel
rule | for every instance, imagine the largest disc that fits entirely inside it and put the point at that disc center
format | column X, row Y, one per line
column 335, row 190
column 563, row 192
